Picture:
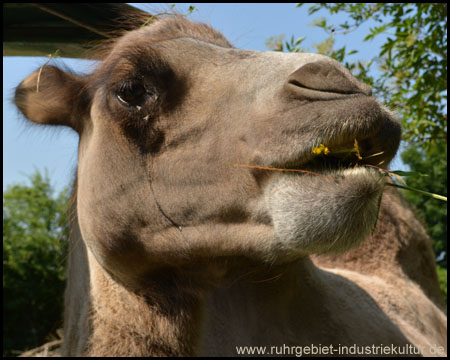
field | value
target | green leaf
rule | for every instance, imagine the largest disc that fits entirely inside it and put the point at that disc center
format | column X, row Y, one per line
column 299, row 40
column 375, row 31
column 321, row 22
column 407, row 173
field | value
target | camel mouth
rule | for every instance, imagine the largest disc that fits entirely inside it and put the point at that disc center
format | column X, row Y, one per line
column 339, row 158
column 370, row 143
column 329, row 207
column 329, row 164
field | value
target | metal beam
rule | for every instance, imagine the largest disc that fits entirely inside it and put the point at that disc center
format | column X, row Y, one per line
column 39, row 29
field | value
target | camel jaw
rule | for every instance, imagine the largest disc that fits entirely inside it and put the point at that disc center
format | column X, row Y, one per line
column 329, row 211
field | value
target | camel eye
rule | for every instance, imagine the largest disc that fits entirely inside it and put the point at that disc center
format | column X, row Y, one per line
column 131, row 93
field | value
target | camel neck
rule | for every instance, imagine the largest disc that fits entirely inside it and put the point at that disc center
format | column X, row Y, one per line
column 175, row 313
column 160, row 320
column 172, row 315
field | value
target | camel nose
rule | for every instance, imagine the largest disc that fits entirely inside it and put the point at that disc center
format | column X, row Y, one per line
column 324, row 80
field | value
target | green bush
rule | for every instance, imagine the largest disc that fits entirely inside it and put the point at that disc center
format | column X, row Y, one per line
column 432, row 163
column 442, row 275
column 35, row 240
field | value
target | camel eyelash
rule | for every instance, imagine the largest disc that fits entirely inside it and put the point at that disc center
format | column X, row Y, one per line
column 134, row 93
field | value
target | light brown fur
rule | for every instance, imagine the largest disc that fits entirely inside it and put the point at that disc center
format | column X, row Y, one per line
column 176, row 252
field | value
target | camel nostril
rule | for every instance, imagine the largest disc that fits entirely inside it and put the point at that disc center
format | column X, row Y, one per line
column 327, row 76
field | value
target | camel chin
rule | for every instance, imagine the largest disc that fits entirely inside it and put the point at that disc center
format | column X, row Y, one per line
column 325, row 212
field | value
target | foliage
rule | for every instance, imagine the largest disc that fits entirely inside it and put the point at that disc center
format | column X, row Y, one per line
column 275, row 43
column 35, row 240
column 442, row 276
column 433, row 164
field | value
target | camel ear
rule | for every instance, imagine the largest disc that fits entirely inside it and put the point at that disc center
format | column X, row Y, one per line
column 53, row 97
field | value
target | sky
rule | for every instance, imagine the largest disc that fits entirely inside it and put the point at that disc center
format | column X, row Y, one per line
column 247, row 26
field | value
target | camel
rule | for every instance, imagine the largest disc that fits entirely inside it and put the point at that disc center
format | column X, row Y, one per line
column 175, row 252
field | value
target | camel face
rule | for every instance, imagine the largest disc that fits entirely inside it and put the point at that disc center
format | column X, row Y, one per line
column 174, row 251
column 161, row 121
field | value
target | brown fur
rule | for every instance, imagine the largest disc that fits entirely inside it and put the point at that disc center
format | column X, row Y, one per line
column 175, row 252
column 379, row 255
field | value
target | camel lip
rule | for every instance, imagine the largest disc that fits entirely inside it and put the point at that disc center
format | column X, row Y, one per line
column 322, row 165
column 357, row 178
column 328, row 163
column 332, row 164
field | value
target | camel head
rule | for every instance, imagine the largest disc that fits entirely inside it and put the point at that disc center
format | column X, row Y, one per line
column 168, row 111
